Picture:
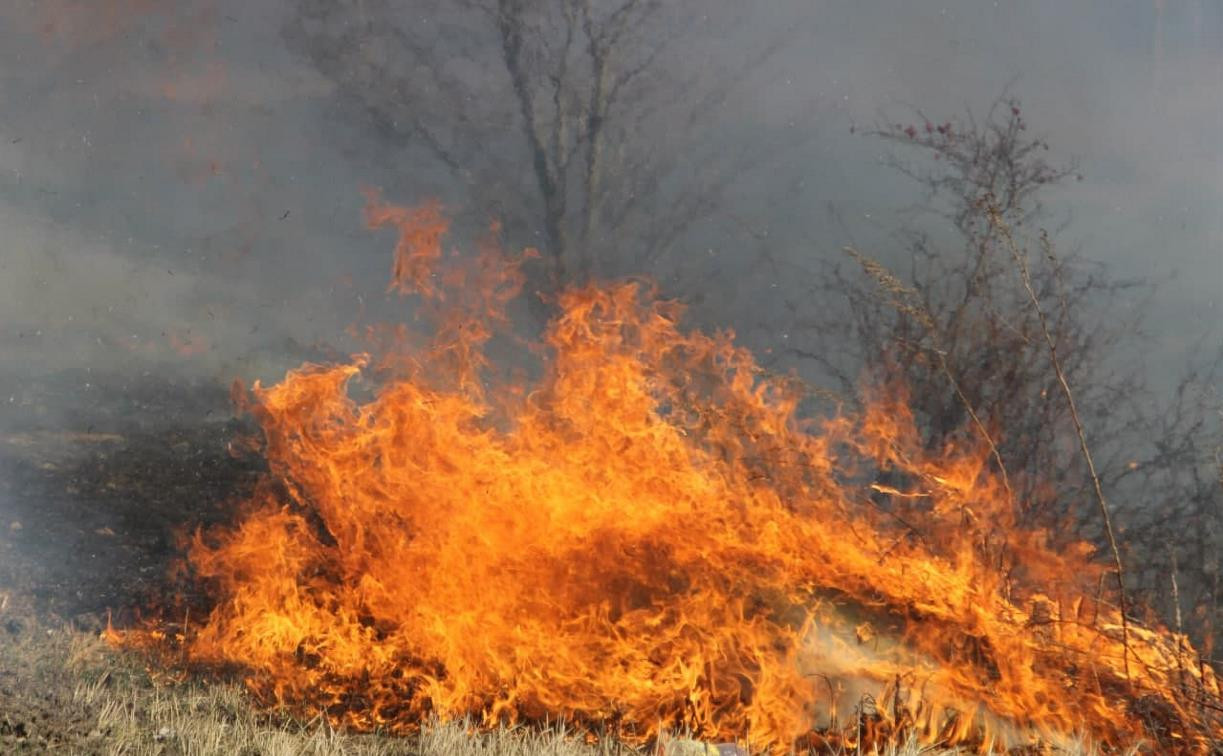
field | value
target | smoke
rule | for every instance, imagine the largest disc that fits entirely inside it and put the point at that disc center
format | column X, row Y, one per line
column 178, row 187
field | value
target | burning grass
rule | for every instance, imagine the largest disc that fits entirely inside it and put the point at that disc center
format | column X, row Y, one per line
column 649, row 537
column 68, row 691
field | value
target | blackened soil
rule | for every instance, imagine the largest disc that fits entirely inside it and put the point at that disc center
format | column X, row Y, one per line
column 98, row 474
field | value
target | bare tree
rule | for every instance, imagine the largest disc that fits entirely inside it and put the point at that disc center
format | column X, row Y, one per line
column 571, row 120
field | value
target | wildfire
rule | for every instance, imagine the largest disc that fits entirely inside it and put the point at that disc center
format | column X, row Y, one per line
column 650, row 535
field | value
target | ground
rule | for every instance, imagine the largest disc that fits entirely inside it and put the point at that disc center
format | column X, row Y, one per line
column 96, row 475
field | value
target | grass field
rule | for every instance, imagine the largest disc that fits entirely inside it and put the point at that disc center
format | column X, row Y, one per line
column 65, row 690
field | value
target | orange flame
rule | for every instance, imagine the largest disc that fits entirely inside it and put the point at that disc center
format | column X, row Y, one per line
column 651, row 535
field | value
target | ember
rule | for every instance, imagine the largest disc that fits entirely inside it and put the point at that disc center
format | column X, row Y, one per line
column 651, row 536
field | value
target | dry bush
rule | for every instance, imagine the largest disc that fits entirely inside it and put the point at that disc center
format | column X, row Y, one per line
column 950, row 319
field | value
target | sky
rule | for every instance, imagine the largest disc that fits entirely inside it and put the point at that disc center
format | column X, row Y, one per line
column 180, row 186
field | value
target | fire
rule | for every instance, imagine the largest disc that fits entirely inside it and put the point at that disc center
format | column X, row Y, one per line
column 650, row 534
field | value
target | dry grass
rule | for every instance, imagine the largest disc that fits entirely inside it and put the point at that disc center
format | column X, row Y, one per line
column 63, row 690
column 67, row 691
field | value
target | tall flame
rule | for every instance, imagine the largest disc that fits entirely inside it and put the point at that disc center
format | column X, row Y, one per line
column 650, row 534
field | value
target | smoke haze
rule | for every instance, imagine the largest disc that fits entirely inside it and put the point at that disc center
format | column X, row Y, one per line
column 179, row 182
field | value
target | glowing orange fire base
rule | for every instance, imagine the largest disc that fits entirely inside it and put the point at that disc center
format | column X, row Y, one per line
column 650, row 536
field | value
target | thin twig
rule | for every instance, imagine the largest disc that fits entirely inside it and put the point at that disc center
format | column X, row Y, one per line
column 1176, row 604
column 1004, row 230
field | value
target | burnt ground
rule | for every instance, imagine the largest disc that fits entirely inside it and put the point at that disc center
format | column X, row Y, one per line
column 97, row 474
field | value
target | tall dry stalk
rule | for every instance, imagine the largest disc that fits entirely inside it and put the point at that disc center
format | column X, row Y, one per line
column 999, row 224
